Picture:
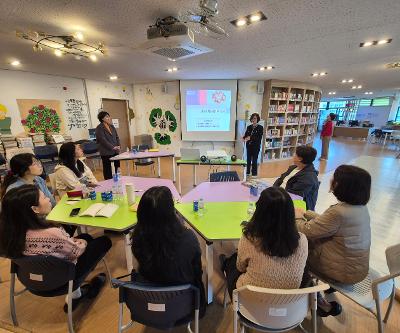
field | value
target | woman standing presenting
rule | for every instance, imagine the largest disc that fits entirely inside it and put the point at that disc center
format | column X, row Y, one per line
column 107, row 142
column 253, row 137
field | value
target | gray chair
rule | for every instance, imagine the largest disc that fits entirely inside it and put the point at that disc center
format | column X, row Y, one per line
column 225, row 176
column 45, row 276
column 142, row 162
column 274, row 310
column 375, row 288
column 91, row 152
column 48, row 155
column 158, row 306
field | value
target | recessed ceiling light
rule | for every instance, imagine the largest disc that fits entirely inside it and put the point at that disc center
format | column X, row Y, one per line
column 171, row 59
column 58, row 53
column 359, row 87
column 384, row 41
column 366, row 44
column 169, row 70
column 249, row 19
column 255, row 17
column 350, row 80
column 261, row 68
column 265, row 68
column 332, row 93
column 174, row 69
column 368, row 93
column 375, row 42
column 79, row 35
column 241, row 22
column 319, row 74
column 356, row 87
column 93, row 57
column 15, row 63
column 113, row 77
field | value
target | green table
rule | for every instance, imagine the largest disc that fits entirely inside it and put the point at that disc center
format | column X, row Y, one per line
column 220, row 221
column 195, row 163
column 122, row 220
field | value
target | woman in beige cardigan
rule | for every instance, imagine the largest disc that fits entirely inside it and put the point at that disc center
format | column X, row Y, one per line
column 340, row 238
column 72, row 173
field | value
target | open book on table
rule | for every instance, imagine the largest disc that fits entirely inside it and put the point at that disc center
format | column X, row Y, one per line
column 100, row 209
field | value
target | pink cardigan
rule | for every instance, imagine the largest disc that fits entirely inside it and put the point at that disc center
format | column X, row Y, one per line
column 54, row 242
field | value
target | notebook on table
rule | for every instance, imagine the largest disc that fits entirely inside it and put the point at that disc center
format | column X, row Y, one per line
column 100, row 209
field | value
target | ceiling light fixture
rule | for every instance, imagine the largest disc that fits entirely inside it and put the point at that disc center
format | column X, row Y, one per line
column 376, row 42
column 332, row 93
column 58, row 53
column 347, row 80
column 78, row 35
column 66, row 44
column 368, row 93
column 15, row 63
column 249, row 19
column 359, row 87
column 319, row 74
column 356, row 87
column 172, row 69
column 265, row 68
column 113, row 77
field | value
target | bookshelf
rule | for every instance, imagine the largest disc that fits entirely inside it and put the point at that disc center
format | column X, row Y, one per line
column 290, row 110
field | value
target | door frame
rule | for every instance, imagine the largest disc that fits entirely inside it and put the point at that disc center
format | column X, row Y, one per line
column 126, row 114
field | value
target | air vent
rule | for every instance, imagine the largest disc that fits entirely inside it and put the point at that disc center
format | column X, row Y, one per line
column 173, row 53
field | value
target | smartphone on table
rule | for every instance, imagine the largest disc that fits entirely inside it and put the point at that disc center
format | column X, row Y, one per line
column 74, row 212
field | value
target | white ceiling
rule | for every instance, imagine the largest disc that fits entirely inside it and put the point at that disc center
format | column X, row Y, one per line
column 298, row 38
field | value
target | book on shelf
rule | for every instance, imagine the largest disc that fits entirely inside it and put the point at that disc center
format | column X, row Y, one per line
column 100, row 209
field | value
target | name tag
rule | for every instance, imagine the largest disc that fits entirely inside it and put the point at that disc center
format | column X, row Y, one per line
column 277, row 312
column 156, row 307
column 36, row 277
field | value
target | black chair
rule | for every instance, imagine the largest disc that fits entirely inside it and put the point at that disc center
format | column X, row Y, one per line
column 142, row 161
column 91, row 151
column 376, row 135
column 45, row 276
column 48, row 155
column 225, row 176
column 158, row 306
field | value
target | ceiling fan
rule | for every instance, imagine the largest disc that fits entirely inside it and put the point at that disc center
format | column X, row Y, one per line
column 202, row 19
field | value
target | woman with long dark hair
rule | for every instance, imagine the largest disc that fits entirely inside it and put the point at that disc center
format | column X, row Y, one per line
column 341, row 236
column 24, row 232
column 167, row 252
column 71, row 172
column 25, row 169
column 271, row 252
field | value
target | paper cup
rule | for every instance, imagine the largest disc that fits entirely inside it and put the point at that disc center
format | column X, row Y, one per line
column 130, row 193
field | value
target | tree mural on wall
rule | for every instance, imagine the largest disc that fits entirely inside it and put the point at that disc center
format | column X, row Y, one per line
column 163, row 122
column 42, row 119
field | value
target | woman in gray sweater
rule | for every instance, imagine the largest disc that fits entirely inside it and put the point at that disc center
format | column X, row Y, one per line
column 107, row 142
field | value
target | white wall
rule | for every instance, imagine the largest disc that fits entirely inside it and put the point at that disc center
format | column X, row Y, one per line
column 378, row 115
column 150, row 96
column 25, row 85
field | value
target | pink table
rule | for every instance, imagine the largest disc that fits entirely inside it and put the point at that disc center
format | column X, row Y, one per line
column 128, row 156
column 141, row 185
column 223, row 192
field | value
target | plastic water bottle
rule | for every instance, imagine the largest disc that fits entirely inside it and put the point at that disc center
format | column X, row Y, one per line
column 117, row 186
column 201, row 207
column 250, row 209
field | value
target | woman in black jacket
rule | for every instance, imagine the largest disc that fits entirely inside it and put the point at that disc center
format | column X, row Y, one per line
column 301, row 178
column 168, row 253
column 107, row 142
column 253, row 137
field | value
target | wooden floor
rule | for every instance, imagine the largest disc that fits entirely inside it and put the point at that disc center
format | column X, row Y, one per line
column 45, row 315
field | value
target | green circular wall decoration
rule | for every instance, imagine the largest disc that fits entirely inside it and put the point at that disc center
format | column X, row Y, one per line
column 164, row 123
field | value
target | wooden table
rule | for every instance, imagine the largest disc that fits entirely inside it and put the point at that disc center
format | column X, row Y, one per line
column 351, row 132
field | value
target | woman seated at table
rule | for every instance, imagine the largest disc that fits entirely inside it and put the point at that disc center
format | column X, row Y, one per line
column 301, row 178
column 25, row 169
column 24, row 232
column 167, row 252
column 340, row 238
column 72, row 173
column 271, row 252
